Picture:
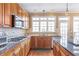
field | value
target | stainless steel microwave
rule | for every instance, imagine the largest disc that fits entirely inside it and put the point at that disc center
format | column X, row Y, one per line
column 17, row 21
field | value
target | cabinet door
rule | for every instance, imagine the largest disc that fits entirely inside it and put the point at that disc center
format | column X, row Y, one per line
column 14, row 8
column 1, row 13
column 16, row 51
column 9, row 52
column 7, row 15
column 56, row 49
column 39, row 42
column 32, row 42
column 19, row 11
column 47, row 42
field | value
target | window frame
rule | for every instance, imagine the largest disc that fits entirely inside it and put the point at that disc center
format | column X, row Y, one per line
column 54, row 17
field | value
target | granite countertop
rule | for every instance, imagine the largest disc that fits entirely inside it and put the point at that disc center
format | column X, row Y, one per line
column 11, row 45
column 74, row 49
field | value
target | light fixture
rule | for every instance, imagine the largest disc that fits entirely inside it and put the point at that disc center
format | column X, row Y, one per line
column 67, row 10
column 44, row 12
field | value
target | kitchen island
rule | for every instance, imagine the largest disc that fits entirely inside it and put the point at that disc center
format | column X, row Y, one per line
column 41, row 42
column 70, row 49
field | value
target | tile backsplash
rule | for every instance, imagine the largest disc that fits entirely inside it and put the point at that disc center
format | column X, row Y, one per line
column 12, row 32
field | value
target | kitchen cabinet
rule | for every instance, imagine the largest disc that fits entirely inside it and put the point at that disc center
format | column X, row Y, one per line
column 41, row 42
column 14, row 8
column 58, row 50
column 16, row 51
column 19, row 11
column 8, row 52
column 7, row 15
column 25, row 18
column 1, row 14
column 33, row 42
column 64, row 52
column 9, row 9
column 21, row 49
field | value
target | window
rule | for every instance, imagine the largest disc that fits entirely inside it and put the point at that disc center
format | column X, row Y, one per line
column 76, row 29
column 35, row 18
column 51, row 26
column 35, row 26
column 35, row 29
column 44, row 24
column 43, row 18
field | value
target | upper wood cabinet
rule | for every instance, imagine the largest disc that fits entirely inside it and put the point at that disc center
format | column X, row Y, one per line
column 19, row 11
column 14, row 9
column 8, row 9
column 1, row 14
column 7, row 15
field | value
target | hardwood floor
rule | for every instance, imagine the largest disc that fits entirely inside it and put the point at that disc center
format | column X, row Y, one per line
column 40, row 53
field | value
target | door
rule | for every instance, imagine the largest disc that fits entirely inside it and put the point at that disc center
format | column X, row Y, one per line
column 76, row 29
column 63, row 30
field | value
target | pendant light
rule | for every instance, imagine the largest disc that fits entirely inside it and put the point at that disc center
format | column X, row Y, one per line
column 43, row 12
column 67, row 10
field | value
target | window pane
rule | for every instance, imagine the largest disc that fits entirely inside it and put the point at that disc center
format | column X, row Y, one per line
column 43, row 18
column 51, row 23
column 43, row 23
column 51, row 18
column 51, row 29
column 35, row 18
column 35, row 29
column 63, row 18
column 43, row 29
column 35, row 23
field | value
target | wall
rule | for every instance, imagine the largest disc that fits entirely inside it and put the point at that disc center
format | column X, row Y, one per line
column 13, row 32
column 57, row 33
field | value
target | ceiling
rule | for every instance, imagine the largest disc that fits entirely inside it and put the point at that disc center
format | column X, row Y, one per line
column 49, row 7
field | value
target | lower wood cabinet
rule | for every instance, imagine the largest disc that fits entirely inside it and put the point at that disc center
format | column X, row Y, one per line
column 58, row 50
column 16, row 51
column 41, row 41
column 21, row 49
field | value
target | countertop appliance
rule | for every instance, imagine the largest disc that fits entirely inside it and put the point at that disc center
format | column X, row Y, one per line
column 17, row 21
